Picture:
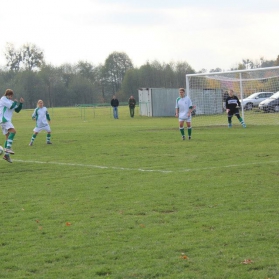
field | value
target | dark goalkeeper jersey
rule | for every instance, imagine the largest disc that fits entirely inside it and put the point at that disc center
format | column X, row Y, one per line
column 232, row 102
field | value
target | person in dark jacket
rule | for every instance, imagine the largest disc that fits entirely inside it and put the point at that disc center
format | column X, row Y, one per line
column 114, row 103
column 232, row 105
column 132, row 103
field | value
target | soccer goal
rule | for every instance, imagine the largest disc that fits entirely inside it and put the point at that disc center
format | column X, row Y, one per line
column 208, row 93
column 89, row 111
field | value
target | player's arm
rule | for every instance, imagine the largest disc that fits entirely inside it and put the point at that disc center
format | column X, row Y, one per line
column 19, row 107
column 14, row 104
column 238, row 102
column 47, row 116
column 227, row 106
column 190, row 110
column 34, row 115
column 176, row 112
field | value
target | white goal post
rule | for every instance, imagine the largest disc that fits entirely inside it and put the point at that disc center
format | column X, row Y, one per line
column 208, row 92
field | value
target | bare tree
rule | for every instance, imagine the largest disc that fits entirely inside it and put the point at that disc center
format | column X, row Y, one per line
column 32, row 57
column 13, row 57
column 115, row 68
column 28, row 57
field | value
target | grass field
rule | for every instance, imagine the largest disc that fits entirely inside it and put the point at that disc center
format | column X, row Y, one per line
column 129, row 199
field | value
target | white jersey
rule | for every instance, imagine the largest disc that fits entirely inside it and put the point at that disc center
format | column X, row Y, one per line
column 183, row 105
column 7, row 108
column 41, row 115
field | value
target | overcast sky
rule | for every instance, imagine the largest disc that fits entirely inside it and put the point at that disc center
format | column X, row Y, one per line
column 205, row 33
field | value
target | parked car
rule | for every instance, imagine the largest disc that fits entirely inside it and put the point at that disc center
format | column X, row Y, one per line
column 255, row 99
column 270, row 104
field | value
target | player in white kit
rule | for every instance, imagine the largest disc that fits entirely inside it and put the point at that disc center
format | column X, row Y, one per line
column 7, row 107
column 42, row 118
column 183, row 110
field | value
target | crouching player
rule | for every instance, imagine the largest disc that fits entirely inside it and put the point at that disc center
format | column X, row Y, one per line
column 232, row 104
column 42, row 118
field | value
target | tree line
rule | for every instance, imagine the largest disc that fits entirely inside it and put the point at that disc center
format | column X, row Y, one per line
column 27, row 73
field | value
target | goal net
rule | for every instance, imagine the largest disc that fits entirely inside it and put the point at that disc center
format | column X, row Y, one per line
column 208, row 92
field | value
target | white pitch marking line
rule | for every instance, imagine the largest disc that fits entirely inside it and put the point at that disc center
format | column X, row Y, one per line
column 91, row 166
column 144, row 170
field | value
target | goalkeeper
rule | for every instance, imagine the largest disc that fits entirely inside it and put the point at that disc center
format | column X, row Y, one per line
column 232, row 105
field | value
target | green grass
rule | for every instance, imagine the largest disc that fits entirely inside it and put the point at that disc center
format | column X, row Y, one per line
column 128, row 198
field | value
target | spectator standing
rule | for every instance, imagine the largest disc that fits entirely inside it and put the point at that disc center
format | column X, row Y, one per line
column 114, row 103
column 132, row 103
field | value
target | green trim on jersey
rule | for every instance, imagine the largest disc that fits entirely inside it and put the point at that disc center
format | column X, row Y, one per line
column 13, row 105
column 36, row 113
column 3, row 117
column 18, row 108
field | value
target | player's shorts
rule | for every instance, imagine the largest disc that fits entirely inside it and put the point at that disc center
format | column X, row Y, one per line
column 39, row 129
column 187, row 119
column 6, row 126
column 233, row 111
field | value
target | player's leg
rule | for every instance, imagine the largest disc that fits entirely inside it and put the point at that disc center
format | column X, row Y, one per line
column 5, row 133
column 33, row 138
column 36, row 132
column 230, row 115
column 230, row 121
column 240, row 119
column 7, row 155
column 48, row 136
column 10, row 133
column 181, row 128
column 189, row 127
column 10, row 138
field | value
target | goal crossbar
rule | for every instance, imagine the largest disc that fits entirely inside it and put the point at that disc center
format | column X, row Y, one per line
column 232, row 72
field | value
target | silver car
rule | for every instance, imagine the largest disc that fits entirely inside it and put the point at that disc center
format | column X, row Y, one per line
column 255, row 99
column 271, row 104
